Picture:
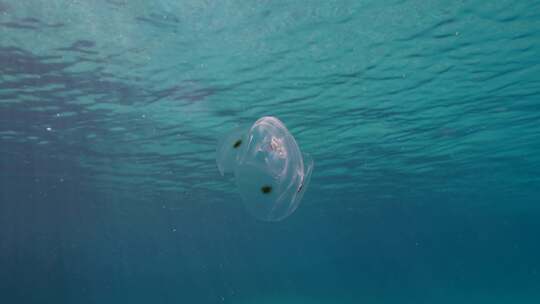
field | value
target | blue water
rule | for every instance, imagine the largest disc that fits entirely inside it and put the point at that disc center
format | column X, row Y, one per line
column 422, row 117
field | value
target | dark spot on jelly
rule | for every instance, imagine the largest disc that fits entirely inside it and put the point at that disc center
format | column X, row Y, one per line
column 266, row 189
column 237, row 143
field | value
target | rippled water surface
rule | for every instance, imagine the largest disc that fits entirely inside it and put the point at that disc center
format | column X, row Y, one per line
column 423, row 118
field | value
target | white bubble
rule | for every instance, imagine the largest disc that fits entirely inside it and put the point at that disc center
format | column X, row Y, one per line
column 270, row 171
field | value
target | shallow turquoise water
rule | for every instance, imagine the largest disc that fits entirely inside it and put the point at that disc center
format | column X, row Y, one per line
column 423, row 118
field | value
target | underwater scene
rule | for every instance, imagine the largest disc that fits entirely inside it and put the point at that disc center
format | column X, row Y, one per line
column 269, row 152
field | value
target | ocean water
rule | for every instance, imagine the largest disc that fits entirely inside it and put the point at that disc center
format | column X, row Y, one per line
column 422, row 117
